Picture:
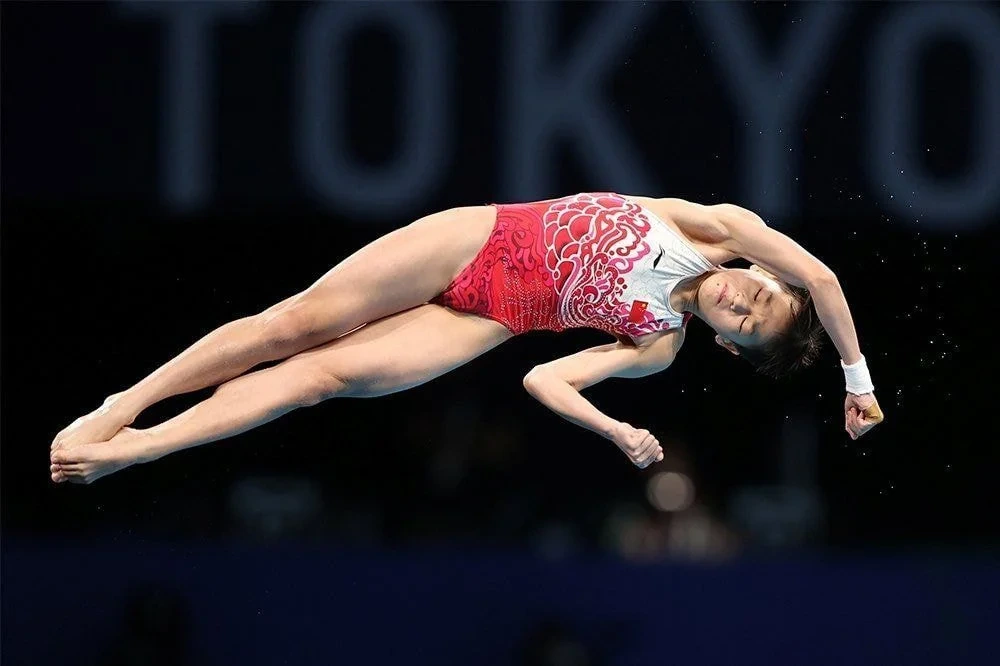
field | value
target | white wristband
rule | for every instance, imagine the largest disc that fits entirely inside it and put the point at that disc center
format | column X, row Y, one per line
column 858, row 379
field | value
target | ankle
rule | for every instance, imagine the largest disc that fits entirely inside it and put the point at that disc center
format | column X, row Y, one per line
column 122, row 407
column 138, row 446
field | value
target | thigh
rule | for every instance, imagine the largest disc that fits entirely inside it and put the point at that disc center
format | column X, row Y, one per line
column 400, row 351
column 398, row 271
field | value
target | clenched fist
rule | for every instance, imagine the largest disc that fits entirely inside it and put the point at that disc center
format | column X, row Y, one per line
column 861, row 414
column 639, row 445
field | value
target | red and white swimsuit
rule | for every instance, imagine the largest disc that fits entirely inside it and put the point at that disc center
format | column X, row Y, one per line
column 591, row 260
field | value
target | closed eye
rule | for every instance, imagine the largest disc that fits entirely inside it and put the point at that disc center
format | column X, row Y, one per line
column 744, row 320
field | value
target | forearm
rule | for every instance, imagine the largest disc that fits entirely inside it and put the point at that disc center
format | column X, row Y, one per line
column 835, row 315
column 563, row 399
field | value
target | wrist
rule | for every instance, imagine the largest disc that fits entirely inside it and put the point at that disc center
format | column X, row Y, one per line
column 609, row 429
column 857, row 378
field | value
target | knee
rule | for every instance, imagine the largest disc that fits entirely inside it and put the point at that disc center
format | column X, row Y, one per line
column 287, row 324
column 318, row 385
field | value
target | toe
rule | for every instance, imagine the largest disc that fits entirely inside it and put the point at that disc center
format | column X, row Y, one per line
column 70, row 456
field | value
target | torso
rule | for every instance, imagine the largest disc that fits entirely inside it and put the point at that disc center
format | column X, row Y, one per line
column 591, row 260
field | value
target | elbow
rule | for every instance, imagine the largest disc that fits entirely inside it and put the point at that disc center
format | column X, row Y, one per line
column 540, row 377
column 533, row 380
column 822, row 279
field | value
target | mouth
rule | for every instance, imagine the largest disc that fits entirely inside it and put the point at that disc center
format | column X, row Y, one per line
column 722, row 293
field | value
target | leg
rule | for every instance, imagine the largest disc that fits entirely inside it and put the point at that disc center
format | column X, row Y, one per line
column 398, row 271
column 392, row 354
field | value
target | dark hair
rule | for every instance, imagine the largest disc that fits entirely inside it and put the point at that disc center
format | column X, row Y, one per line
column 795, row 348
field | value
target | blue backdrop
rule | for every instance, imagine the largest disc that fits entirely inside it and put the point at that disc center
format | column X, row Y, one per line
column 317, row 605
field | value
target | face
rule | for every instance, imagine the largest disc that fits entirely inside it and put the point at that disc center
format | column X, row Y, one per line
column 745, row 307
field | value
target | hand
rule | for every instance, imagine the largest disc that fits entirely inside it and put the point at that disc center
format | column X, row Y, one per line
column 641, row 447
column 861, row 414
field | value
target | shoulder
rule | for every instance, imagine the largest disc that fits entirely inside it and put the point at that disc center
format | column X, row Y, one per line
column 698, row 222
column 721, row 212
column 731, row 213
column 693, row 210
column 714, row 223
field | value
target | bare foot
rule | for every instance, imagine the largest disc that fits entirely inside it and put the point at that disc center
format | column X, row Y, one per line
column 85, row 463
column 98, row 426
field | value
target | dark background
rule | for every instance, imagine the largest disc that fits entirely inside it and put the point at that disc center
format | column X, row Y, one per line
column 108, row 270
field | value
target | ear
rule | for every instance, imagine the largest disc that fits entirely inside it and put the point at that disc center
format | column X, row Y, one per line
column 727, row 345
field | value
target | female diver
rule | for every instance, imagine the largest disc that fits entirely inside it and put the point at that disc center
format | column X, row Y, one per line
column 431, row 296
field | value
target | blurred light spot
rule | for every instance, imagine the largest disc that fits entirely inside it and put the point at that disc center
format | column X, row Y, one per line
column 670, row 491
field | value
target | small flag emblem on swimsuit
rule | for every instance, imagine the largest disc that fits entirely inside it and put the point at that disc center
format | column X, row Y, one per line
column 638, row 310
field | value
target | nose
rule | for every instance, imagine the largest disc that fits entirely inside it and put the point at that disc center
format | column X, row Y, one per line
column 739, row 305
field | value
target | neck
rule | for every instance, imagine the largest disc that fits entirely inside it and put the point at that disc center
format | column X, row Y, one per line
column 685, row 297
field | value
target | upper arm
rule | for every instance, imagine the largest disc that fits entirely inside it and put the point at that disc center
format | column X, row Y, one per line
column 593, row 365
column 696, row 220
column 745, row 234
